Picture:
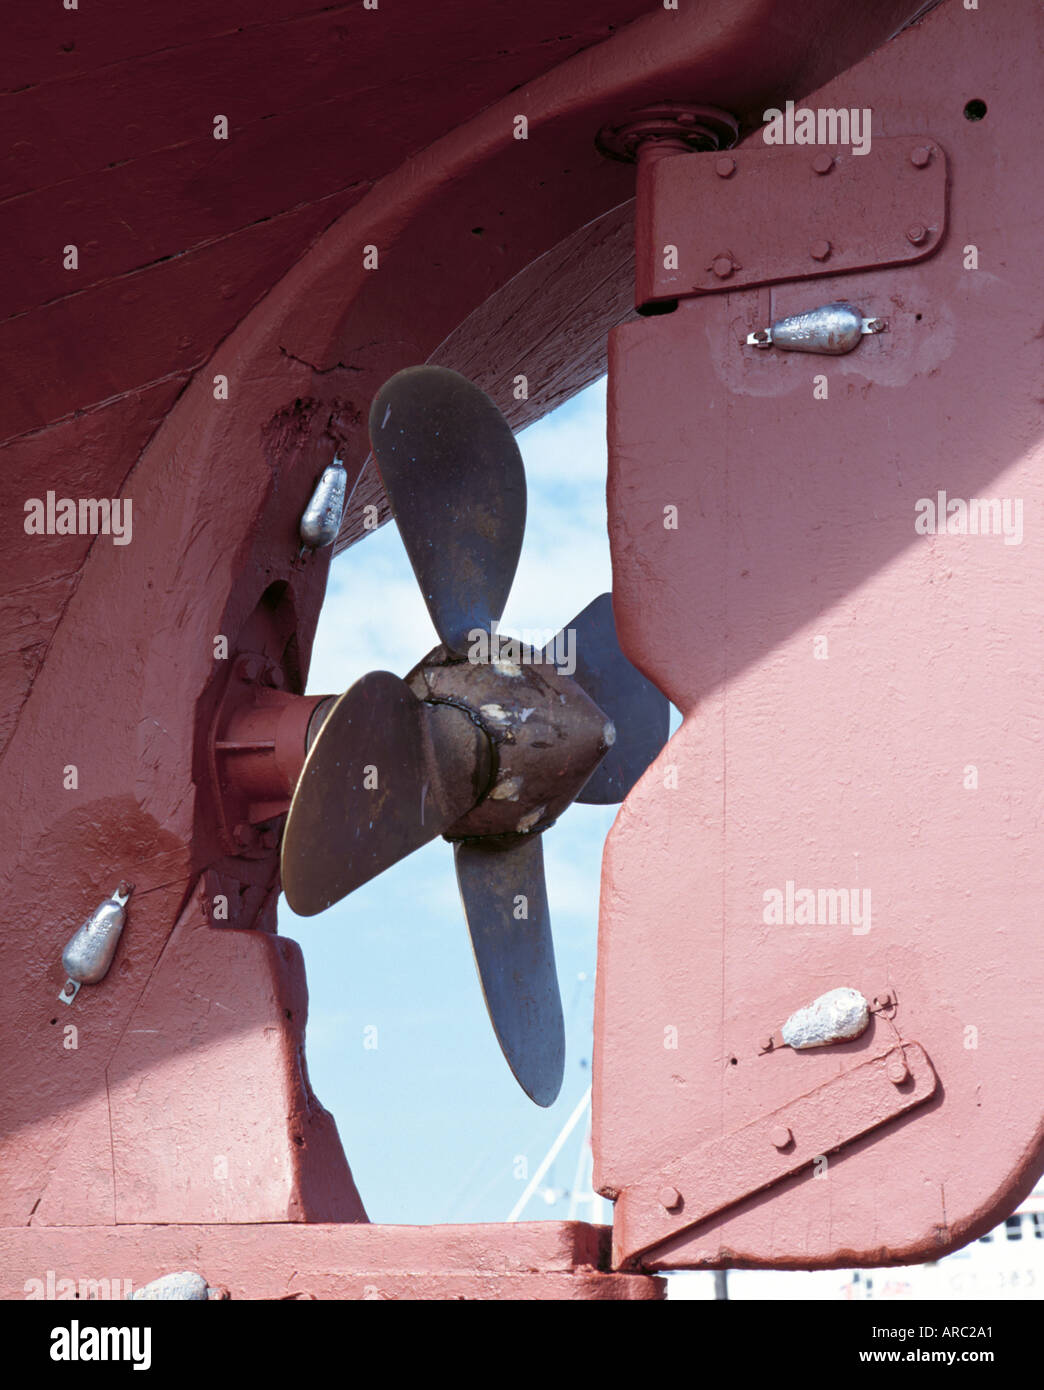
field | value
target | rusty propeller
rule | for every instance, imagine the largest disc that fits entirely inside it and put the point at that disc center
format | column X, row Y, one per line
column 483, row 745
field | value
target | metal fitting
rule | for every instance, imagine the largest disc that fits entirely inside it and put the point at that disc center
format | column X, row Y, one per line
column 833, row 329
column 321, row 518
column 88, row 955
column 673, row 127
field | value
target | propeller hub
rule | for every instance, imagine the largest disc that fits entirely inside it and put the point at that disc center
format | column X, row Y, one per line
column 546, row 734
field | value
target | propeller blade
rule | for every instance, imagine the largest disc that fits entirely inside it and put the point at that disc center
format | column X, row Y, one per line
column 455, row 481
column 640, row 712
column 516, row 958
column 385, row 774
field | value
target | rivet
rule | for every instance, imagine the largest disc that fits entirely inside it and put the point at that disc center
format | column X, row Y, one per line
column 722, row 267
column 820, row 250
column 724, row 166
column 669, row 1198
column 920, row 157
column 781, row 1137
column 823, row 163
column 917, row 234
column 898, row 1071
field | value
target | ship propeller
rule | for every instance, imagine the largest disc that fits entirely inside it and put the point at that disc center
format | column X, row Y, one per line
column 485, row 742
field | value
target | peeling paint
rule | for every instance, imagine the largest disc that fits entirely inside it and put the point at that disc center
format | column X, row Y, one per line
column 507, row 790
column 527, row 822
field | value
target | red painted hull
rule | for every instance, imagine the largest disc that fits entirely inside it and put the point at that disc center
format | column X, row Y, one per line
column 243, row 260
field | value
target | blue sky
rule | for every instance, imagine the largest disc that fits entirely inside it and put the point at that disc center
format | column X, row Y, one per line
column 435, row 1127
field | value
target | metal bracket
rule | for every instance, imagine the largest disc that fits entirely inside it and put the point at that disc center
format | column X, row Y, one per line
column 724, row 1171
column 764, row 214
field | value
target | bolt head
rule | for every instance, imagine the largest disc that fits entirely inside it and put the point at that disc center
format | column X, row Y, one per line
column 781, row 1137
column 820, row 250
column 884, row 1000
column 722, row 267
column 248, row 668
column 823, row 163
column 669, row 1198
column 921, row 157
column 917, row 234
column 724, row 166
column 898, row 1071
column 269, row 839
column 274, row 676
column 766, row 1044
column 243, row 834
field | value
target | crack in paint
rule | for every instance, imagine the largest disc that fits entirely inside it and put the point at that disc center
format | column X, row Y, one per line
column 319, row 371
